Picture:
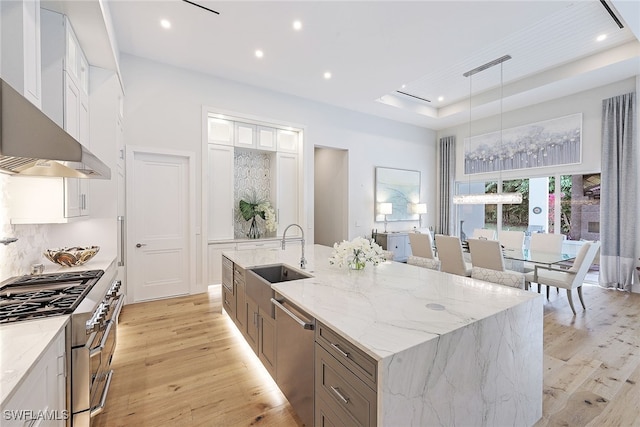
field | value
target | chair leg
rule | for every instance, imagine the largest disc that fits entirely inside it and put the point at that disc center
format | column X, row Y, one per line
column 539, row 287
column 570, row 301
column 580, row 295
column 548, row 287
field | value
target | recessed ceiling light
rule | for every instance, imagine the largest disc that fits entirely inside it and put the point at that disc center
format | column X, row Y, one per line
column 403, row 86
column 297, row 25
column 164, row 23
column 327, row 75
column 441, row 98
column 259, row 53
column 601, row 37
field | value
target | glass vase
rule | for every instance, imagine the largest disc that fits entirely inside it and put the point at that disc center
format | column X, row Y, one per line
column 357, row 264
column 254, row 231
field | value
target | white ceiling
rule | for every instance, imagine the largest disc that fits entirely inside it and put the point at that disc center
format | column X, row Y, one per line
column 373, row 48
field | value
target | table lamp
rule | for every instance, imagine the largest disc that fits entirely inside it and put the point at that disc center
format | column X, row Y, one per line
column 385, row 209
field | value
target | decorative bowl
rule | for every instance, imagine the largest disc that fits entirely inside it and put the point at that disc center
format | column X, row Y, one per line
column 71, row 257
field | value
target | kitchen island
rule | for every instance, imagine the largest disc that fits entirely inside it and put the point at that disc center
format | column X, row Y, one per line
column 449, row 350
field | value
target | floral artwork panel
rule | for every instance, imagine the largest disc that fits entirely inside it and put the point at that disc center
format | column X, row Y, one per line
column 548, row 143
column 400, row 187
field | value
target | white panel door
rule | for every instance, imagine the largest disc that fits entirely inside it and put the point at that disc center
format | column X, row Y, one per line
column 159, row 224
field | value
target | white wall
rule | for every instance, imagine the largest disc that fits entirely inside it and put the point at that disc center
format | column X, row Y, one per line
column 331, row 197
column 163, row 108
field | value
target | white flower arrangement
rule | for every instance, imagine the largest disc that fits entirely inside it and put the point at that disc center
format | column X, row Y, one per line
column 269, row 216
column 356, row 253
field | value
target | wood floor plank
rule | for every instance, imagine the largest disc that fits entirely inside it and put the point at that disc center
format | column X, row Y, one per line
column 180, row 362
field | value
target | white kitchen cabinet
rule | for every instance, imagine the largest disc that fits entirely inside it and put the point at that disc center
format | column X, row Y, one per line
column 287, row 193
column 266, row 138
column 287, row 141
column 42, row 392
column 220, row 187
column 21, row 48
column 214, row 257
column 220, row 131
column 245, row 135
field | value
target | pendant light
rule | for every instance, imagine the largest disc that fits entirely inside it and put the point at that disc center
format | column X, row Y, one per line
column 488, row 198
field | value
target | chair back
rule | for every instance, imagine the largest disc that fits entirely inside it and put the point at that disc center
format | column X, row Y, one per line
column 546, row 242
column 484, row 233
column 512, row 239
column 450, row 255
column 486, row 254
column 421, row 245
column 583, row 261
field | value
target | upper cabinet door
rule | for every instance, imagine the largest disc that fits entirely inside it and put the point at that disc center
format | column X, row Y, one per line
column 245, row 135
column 287, row 141
column 220, row 131
column 266, row 138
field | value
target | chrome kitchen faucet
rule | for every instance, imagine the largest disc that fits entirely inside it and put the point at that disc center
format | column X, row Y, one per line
column 303, row 261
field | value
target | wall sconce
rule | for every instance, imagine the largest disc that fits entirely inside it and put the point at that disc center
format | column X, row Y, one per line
column 385, row 209
column 419, row 208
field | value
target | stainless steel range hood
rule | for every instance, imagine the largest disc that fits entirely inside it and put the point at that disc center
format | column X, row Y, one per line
column 33, row 144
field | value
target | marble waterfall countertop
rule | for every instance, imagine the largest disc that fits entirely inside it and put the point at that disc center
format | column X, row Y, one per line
column 450, row 349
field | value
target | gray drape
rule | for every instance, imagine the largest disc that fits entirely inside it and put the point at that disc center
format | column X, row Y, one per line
column 618, row 202
column 447, row 162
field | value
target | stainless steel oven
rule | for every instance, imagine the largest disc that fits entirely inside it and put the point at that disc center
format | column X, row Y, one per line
column 91, row 359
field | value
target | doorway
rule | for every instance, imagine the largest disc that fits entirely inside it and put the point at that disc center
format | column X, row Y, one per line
column 161, row 237
column 331, row 195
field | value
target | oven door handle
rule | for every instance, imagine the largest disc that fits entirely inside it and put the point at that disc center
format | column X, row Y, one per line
column 103, row 399
column 103, row 342
column 116, row 312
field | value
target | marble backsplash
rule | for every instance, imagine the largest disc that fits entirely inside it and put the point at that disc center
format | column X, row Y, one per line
column 17, row 258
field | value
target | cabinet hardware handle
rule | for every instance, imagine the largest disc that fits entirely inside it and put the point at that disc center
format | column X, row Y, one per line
column 255, row 318
column 336, row 391
column 139, row 245
column 302, row 323
column 343, row 353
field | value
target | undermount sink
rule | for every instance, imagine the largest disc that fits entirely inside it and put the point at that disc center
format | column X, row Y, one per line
column 259, row 280
column 279, row 273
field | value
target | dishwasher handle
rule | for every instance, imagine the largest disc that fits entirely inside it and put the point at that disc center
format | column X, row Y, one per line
column 302, row 323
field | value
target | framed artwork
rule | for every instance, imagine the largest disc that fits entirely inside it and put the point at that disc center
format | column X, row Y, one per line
column 548, row 143
column 400, row 187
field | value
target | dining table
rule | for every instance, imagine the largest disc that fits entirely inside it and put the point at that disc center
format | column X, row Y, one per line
column 519, row 258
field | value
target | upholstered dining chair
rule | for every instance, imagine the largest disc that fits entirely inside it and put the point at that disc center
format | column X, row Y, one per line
column 488, row 264
column 422, row 251
column 484, row 233
column 546, row 242
column 450, row 255
column 570, row 279
column 512, row 239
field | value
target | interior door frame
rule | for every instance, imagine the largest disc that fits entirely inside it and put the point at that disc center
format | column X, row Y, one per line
column 131, row 151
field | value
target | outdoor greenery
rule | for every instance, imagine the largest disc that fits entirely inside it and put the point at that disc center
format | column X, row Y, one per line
column 516, row 217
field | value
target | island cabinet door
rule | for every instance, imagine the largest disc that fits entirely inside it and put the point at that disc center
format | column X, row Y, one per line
column 251, row 333
column 267, row 343
column 344, row 393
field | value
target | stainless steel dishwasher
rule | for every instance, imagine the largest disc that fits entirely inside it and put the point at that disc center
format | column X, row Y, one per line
column 295, row 361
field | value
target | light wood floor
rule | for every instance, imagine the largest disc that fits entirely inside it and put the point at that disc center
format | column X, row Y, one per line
column 180, row 362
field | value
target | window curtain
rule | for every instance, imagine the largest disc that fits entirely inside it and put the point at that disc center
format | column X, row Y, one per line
column 618, row 202
column 447, row 163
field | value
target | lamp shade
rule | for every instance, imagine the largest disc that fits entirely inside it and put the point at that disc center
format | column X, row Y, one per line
column 385, row 209
column 421, row 208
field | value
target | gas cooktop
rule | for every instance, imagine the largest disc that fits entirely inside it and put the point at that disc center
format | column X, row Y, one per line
column 44, row 295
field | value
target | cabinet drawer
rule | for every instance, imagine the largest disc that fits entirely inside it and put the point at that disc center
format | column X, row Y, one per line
column 341, row 389
column 353, row 358
column 228, row 302
column 238, row 273
column 326, row 415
